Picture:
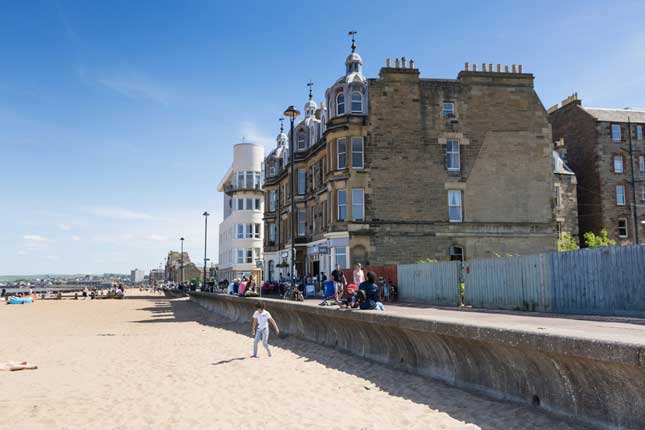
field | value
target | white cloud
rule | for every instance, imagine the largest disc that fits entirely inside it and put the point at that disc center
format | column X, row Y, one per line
column 76, row 238
column 52, row 257
column 64, row 227
column 23, row 253
column 128, row 83
column 250, row 133
column 34, row 238
column 118, row 213
column 156, row 237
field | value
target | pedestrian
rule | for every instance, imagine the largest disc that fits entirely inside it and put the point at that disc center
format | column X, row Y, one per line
column 339, row 283
column 260, row 328
column 359, row 275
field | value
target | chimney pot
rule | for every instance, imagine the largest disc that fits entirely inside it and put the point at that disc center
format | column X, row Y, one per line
column 474, row 67
column 506, row 68
column 466, row 66
column 499, row 68
column 483, row 67
column 403, row 62
column 412, row 64
column 520, row 68
column 514, row 69
column 490, row 67
column 388, row 63
column 396, row 63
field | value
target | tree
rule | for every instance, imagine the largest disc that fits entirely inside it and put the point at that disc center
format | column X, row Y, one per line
column 596, row 241
column 567, row 243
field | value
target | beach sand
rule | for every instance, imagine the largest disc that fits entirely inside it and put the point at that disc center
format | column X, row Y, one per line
column 153, row 363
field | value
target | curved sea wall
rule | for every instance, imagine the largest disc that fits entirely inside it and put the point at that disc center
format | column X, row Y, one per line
column 601, row 383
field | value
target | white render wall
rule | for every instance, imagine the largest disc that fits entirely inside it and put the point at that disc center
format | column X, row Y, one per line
column 246, row 157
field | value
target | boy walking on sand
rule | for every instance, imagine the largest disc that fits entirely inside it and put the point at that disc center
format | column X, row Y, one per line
column 260, row 328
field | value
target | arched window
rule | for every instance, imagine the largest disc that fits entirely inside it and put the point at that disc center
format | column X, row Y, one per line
column 357, row 102
column 340, row 104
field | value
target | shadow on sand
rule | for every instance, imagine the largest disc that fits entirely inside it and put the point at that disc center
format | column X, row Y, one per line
column 426, row 391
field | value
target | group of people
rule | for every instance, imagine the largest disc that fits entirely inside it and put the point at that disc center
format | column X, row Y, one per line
column 364, row 292
column 245, row 287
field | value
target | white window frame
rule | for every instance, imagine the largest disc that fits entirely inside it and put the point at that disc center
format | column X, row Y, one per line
column 626, row 235
column 448, row 113
column 620, row 196
column 272, row 200
column 248, row 231
column 302, row 222
column 240, row 204
column 358, row 202
column 239, row 231
column 558, row 196
column 249, row 204
column 340, row 141
column 639, row 132
column 272, row 232
column 460, row 206
column 339, row 104
column 257, row 231
column 450, row 151
column 361, row 152
column 342, row 254
column 340, row 205
column 616, row 133
column 240, row 255
column 249, row 255
column 302, row 180
column 258, row 204
column 360, row 101
column 618, row 164
column 641, row 163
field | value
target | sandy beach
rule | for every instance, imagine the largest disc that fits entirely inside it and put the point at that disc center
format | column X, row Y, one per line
column 153, row 363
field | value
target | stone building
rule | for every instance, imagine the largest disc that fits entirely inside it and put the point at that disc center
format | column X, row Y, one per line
column 597, row 144
column 174, row 265
column 406, row 168
column 565, row 194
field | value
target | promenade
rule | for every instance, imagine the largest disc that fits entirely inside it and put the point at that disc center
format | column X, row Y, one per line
column 151, row 362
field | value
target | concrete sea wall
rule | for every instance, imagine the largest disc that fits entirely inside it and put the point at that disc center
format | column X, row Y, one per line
column 597, row 382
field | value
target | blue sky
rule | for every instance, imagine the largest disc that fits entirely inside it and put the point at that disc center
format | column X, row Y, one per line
column 117, row 119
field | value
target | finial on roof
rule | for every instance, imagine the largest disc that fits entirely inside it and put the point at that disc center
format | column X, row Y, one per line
column 281, row 124
column 352, row 33
column 310, row 84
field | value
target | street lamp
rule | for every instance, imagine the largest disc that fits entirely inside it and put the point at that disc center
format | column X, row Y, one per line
column 206, row 214
column 292, row 113
column 182, row 260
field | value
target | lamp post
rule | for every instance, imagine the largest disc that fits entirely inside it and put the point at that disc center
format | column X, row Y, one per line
column 292, row 113
column 181, row 267
column 206, row 214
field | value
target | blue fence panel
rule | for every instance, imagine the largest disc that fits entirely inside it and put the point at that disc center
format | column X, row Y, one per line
column 433, row 283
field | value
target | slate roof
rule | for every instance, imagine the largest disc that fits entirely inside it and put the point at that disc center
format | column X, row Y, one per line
column 616, row 115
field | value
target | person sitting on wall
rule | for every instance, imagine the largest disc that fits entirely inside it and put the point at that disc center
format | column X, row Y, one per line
column 251, row 288
column 370, row 298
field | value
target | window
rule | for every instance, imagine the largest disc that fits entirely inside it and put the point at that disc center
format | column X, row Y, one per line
column 302, row 181
column 452, row 156
column 641, row 163
column 249, row 231
column 448, row 110
column 240, row 179
column 240, row 231
column 620, row 195
column 240, row 256
column 618, row 164
column 249, row 204
column 257, row 231
column 358, row 204
column 454, row 206
column 341, row 199
column 302, row 216
column 357, row 102
column 257, row 204
column 272, row 200
column 341, row 154
column 341, row 256
column 622, row 228
column 456, row 253
column 643, row 193
column 558, row 196
column 271, row 232
column 313, row 219
column 258, row 181
column 240, row 204
column 301, row 140
column 357, row 152
column 340, row 104
column 249, row 179
column 249, row 255
column 558, row 228
column 639, row 132
column 615, row 132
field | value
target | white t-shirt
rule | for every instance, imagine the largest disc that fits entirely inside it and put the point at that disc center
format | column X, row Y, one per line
column 262, row 318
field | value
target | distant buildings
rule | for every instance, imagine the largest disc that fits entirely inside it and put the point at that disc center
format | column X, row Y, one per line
column 156, row 276
column 402, row 168
column 597, row 143
column 137, row 276
column 240, row 233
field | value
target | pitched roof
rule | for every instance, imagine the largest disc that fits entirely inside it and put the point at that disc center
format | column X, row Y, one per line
column 616, row 115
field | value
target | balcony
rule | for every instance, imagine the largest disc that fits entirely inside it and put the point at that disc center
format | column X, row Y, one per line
column 232, row 188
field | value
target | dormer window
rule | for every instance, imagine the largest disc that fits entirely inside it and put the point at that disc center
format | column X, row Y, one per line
column 340, row 104
column 357, row 102
column 301, row 140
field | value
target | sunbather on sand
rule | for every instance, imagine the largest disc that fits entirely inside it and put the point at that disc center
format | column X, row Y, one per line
column 12, row 366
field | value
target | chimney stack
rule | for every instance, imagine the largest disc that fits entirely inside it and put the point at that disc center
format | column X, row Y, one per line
column 466, row 66
column 403, row 62
column 412, row 64
column 388, row 63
